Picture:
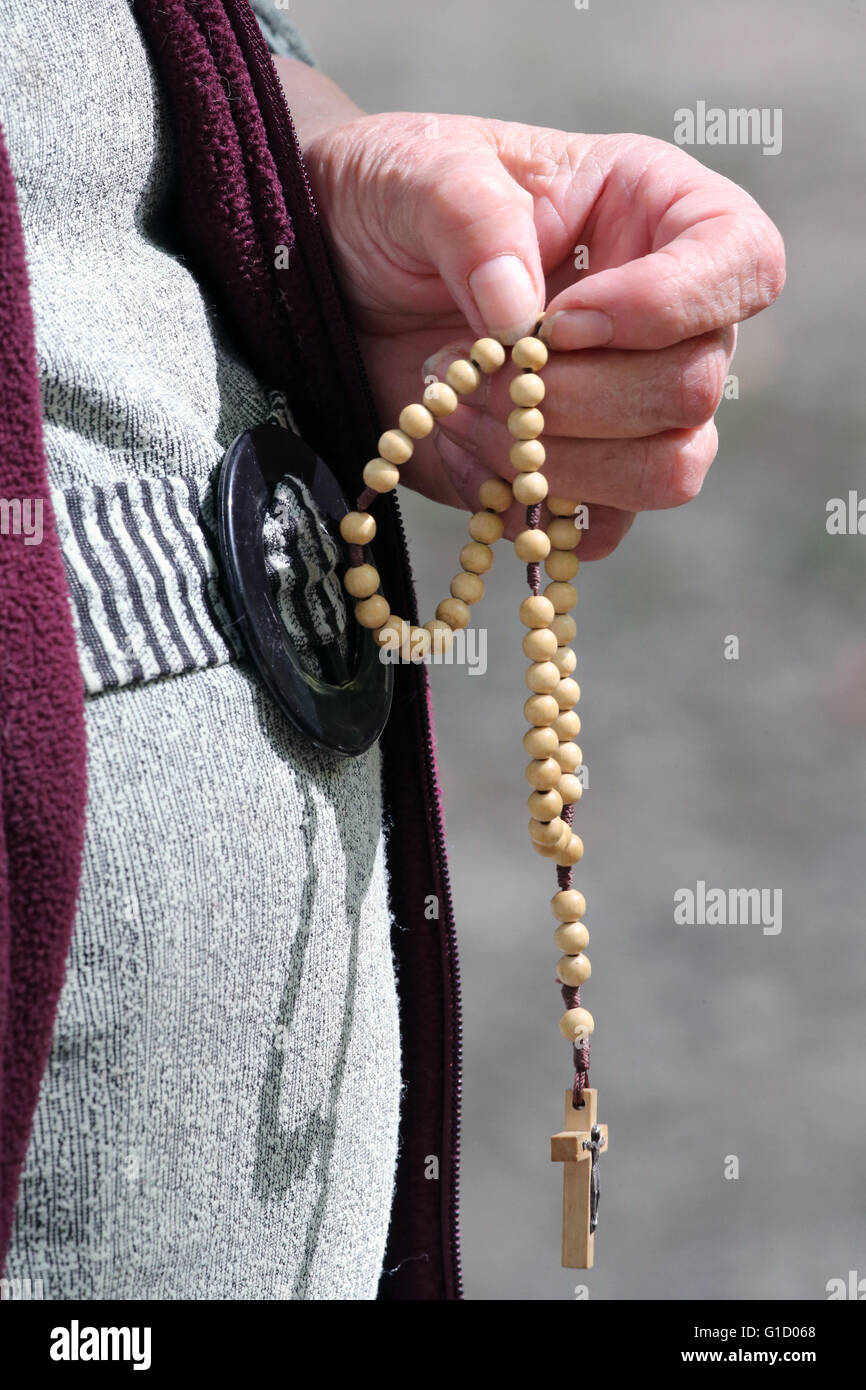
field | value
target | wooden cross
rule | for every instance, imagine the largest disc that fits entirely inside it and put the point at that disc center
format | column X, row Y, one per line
column 577, row 1148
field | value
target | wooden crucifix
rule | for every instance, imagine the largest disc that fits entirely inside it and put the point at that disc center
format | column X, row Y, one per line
column 578, row 1148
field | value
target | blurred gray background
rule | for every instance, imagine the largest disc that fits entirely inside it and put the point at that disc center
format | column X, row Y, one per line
column 716, row 1040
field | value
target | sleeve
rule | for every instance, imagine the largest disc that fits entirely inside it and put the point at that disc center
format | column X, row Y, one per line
column 281, row 36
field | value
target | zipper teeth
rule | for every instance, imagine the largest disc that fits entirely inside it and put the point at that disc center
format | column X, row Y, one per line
column 315, row 247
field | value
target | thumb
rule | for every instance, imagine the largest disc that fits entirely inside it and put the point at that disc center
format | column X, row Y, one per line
column 475, row 224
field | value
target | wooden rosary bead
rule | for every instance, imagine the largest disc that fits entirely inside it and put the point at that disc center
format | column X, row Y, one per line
column 463, row 376
column 536, row 611
column 440, row 399
column 571, row 937
column 455, row 613
column 539, row 709
column 568, row 756
column 551, row 851
column 561, row 506
column 496, row 494
column 380, row 475
column 561, row 564
column 564, row 627
column 529, row 353
column 373, row 612
column 529, row 489
column 572, row 854
column 420, row 644
column 394, row 633
column 525, row 422
column 527, row 455
column 395, row 446
column 564, row 535
column 361, row 580
column 565, row 660
column 416, row 421
column 562, row 596
column 546, row 832
column 358, row 528
column 468, row 587
column 543, row 773
column 476, row 557
column 567, row 692
column 488, row 354
column 545, row 805
column 567, row 726
column 568, row 905
column 540, row 744
column 486, row 527
column 570, row 788
column 573, row 970
column 576, row 1024
column 539, row 644
column 542, row 677
column 531, row 545
column 441, row 636
column 527, row 389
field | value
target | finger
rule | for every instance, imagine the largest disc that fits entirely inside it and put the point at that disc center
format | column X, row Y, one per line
column 718, row 259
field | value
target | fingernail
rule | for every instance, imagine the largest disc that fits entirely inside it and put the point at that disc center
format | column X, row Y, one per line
column 570, row 329
column 506, row 298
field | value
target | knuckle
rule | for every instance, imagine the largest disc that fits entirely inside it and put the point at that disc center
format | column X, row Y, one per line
column 702, row 379
column 676, row 467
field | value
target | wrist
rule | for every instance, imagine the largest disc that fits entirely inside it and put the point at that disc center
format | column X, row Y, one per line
column 317, row 104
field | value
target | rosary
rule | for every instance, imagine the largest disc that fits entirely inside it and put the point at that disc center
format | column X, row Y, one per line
column 549, row 709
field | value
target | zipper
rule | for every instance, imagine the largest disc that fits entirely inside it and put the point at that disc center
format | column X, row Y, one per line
column 312, row 247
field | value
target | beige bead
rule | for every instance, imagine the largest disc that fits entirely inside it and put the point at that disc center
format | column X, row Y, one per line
column 561, row 506
column 564, row 535
column 420, row 644
column 441, row 636
column 539, row 710
column 542, row 677
column 567, row 692
column 537, row 611
column 525, row 423
column 571, row 938
column 576, row 1024
column 527, row 389
column 569, row 756
column 440, row 399
column 561, row 564
column 358, row 528
column 567, row 726
column 476, row 557
column 546, row 832
column 380, row 475
column 565, row 660
column 551, row 851
column 496, row 494
column 527, row 455
column 487, row 354
column 544, row 805
column 395, row 446
column 540, row 744
column 416, row 421
column 568, row 905
column 573, row 970
column 463, row 376
column 394, row 634
column 374, row 611
column 361, row 580
column 529, row 489
column 531, row 545
column 562, row 596
column 529, row 352
column 543, row 773
column 539, row 644
column 572, row 854
column 455, row 613
column 564, row 627
column 570, row 788
column 468, row 587
column 486, row 527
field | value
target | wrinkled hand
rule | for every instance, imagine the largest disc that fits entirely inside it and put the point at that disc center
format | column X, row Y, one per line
column 447, row 227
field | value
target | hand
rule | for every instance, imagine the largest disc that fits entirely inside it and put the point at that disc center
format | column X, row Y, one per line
column 448, row 227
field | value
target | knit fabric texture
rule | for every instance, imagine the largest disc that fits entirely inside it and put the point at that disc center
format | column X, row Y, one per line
column 218, row 1118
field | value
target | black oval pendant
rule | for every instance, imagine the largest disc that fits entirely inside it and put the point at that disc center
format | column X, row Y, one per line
column 345, row 708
